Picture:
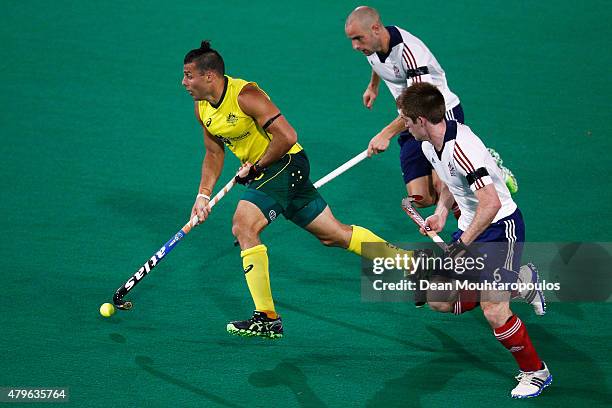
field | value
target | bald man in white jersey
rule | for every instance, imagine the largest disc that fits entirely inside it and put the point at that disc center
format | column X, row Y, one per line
column 401, row 59
column 471, row 178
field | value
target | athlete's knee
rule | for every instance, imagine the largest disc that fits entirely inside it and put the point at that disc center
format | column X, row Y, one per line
column 496, row 313
column 423, row 201
column 329, row 231
column 329, row 241
column 423, row 191
column 336, row 237
column 242, row 227
column 441, row 307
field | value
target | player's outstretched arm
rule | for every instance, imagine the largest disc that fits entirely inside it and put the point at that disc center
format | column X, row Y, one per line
column 380, row 142
column 256, row 104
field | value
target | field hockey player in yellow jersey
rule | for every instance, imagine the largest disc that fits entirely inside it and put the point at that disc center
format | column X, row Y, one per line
column 238, row 114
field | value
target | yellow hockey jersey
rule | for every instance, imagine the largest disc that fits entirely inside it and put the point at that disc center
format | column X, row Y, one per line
column 237, row 130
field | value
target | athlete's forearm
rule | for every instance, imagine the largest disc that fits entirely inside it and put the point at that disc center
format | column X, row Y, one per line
column 393, row 128
column 374, row 81
column 212, row 165
column 488, row 206
column 445, row 202
column 278, row 147
column 482, row 220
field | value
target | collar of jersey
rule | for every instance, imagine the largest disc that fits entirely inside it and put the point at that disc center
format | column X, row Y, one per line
column 450, row 134
column 216, row 106
column 395, row 38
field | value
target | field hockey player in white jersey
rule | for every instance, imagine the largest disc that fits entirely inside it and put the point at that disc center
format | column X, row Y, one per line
column 471, row 178
column 400, row 59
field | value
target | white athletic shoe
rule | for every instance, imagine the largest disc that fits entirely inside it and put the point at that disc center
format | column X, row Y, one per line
column 531, row 383
column 535, row 297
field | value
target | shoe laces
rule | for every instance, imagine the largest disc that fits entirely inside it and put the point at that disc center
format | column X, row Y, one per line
column 525, row 377
column 258, row 318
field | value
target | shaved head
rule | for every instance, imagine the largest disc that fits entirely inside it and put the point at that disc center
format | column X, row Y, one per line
column 366, row 31
column 365, row 16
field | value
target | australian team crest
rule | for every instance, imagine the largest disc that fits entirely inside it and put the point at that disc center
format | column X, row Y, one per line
column 232, row 119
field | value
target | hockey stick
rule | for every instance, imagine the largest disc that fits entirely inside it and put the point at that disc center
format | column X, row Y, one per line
column 335, row 173
column 418, row 220
column 162, row 252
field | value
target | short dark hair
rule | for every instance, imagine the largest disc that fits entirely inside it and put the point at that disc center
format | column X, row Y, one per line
column 206, row 59
column 422, row 99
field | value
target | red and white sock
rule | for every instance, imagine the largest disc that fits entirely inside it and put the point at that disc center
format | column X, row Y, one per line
column 513, row 335
column 468, row 300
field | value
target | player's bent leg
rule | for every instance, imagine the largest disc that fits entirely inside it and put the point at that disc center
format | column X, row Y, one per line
column 416, row 171
column 441, row 300
column 496, row 313
column 248, row 222
column 332, row 232
column 511, row 332
column 380, row 249
column 316, row 217
column 329, row 230
column 422, row 188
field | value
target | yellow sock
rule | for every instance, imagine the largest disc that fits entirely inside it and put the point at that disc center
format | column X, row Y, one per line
column 255, row 264
column 362, row 235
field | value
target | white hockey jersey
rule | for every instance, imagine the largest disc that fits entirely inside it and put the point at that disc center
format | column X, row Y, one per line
column 465, row 165
column 409, row 61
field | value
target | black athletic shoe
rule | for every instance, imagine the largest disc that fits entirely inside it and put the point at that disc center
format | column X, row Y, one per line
column 258, row 325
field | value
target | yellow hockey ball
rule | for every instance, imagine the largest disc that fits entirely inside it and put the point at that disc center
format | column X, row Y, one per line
column 107, row 310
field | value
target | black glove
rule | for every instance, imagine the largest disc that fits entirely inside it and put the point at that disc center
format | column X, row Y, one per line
column 467, row 261
column 254, row 172
column 457, row 249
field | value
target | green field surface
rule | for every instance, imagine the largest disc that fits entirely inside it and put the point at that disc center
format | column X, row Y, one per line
column 100, row 162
